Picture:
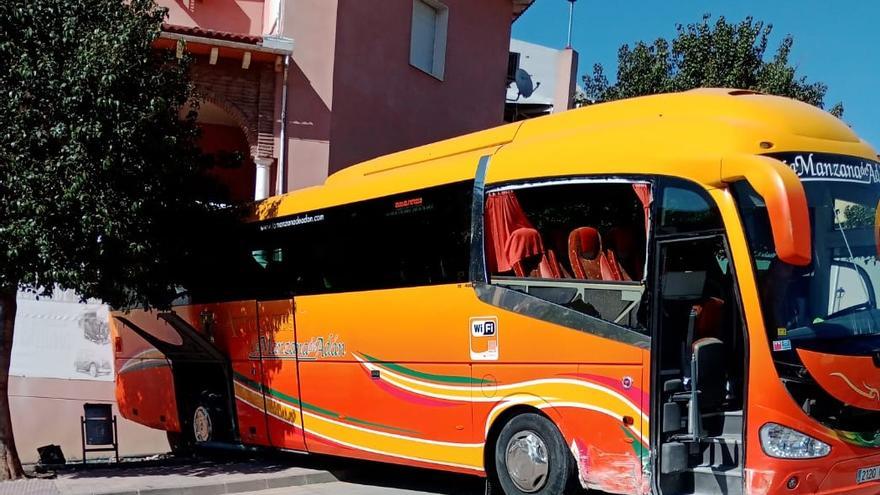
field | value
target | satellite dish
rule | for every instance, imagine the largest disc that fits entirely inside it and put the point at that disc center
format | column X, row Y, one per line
column 524, row 83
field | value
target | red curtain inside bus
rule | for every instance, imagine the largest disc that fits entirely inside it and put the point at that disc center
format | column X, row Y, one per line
column 643, row 191
column 503, row 215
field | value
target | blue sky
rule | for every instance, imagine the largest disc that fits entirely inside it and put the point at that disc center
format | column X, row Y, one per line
column 835, row 41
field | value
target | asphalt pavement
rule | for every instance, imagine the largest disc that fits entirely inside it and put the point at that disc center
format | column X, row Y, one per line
column 340, row 488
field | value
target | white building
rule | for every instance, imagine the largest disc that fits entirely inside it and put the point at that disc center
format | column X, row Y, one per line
column 543, row 82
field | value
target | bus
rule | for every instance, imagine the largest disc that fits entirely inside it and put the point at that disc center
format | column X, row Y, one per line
column 671, row 294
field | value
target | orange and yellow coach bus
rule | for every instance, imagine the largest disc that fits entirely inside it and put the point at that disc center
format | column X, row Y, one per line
column 669, row 294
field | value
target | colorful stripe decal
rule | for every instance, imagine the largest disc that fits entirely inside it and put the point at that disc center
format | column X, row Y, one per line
column 459, row 455
column 150, row 358
column 860, row 439
column 293, row 402
column 422, row 375
column 386, row 440
column 541, row 393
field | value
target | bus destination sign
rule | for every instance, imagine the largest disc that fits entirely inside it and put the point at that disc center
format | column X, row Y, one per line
column 830, row 167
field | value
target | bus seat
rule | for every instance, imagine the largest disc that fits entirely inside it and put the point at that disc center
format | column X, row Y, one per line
column 622, row 243
column 708, row 319
column 704, row 322
column 527, row 255
column 709, row 369
column 612, row 269
column 585, row 253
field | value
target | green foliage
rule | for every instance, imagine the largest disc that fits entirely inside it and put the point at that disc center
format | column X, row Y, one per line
column 858, row 216
column 706, row 55
column 101, row 181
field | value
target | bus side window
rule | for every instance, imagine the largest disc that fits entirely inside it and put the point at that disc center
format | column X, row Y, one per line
column 685, row 209
column 411, row 239
column 581, row 245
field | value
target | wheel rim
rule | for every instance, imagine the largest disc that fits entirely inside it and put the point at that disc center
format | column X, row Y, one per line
column 202, row 424
column 527, row 465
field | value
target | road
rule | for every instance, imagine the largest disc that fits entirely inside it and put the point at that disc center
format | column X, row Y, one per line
column 340, row 488
column 375, row 479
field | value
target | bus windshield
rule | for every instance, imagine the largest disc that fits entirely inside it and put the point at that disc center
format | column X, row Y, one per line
column 823, row 305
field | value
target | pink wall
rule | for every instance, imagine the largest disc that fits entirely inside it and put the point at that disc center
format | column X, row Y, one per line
column 234, row 16
column 382, row 104
column 312, row 25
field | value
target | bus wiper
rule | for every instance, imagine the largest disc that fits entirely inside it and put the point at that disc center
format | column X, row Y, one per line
column 852, row 260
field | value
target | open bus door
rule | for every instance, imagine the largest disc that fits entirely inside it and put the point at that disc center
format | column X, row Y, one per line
column 280, row 377
column 202, row 375
column 700, row 368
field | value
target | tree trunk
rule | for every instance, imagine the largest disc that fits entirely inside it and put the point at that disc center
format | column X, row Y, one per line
column 10, row 465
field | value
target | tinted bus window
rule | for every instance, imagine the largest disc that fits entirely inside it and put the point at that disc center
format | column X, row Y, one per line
column 417, row 238
column 686, row 207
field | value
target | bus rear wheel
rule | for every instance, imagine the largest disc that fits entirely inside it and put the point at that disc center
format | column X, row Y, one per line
column 180, row 443
column 202, row 424
column 531, row 457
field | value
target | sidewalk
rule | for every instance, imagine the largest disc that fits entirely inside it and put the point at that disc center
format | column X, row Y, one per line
column 196, row 478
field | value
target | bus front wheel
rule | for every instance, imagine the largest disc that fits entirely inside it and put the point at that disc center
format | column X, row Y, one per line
column 531, row 457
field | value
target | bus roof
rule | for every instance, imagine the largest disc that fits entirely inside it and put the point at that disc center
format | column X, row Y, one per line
column 676, row 134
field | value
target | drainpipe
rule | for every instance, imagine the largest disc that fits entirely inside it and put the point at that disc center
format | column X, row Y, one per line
column 282, row 150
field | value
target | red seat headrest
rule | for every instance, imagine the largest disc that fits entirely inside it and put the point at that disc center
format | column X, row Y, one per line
column 709, row 318
column 523, row 243
column 586, row 242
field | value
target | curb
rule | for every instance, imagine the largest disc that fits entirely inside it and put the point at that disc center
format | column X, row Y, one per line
column 314, row 478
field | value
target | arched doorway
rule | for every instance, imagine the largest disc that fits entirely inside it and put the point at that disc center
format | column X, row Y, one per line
column 222, row 134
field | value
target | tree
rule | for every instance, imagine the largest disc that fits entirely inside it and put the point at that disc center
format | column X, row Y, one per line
column 706, row 55
column 101, row 180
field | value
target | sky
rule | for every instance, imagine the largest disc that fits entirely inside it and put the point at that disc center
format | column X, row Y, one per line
column 835, row 41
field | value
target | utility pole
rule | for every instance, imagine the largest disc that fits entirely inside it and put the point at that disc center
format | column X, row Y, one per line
column 570, row 20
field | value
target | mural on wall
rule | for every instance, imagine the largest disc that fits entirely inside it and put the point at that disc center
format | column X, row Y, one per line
column 61, row 337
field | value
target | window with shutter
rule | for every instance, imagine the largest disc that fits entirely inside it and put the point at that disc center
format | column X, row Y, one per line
column 428, row 41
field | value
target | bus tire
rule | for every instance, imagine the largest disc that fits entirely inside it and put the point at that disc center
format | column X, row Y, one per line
column 180, row 443
column 531, row 457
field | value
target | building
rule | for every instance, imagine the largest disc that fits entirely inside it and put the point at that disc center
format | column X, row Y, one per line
column 308, row 87
column 302, row 88
column 541, row 81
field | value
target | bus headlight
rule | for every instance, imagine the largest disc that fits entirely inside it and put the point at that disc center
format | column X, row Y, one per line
column 785, row 443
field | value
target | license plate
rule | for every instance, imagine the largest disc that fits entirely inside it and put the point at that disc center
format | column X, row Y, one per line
column 868, row 474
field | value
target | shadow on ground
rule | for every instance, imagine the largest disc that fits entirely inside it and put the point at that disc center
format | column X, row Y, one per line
column 202, row 467
column 400, row 477
column 209, row 464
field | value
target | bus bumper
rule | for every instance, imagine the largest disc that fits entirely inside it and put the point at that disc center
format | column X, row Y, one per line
column 842, row 478
column 813, row 477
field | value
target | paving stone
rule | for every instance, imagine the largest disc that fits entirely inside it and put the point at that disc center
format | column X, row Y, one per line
column 29, row 487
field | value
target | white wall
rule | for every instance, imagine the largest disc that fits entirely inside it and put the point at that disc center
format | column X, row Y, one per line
column 59, row 337
column 554, row 72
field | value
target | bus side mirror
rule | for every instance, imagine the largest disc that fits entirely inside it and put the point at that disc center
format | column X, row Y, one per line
column 877, row 229
column 785, row 198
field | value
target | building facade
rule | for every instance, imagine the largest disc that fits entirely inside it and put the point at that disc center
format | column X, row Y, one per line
column 543, row 80
column 308, row 87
